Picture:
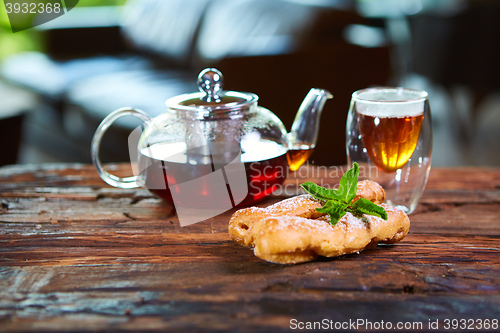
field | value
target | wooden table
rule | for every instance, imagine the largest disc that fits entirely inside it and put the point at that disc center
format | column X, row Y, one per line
column 78, row 255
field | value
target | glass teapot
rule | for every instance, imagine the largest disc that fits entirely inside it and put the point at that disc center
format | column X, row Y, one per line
column 215, row 144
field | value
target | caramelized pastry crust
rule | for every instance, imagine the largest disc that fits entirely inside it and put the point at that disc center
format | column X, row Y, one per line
column 292, row 231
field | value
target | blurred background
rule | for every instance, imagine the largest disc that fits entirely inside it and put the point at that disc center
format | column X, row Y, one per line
column 59, row 79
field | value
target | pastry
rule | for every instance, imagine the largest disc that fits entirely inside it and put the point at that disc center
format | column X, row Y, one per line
column 300, row 206
column 292, row 231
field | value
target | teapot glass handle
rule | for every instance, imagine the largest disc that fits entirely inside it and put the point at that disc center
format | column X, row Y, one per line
column 127, row 182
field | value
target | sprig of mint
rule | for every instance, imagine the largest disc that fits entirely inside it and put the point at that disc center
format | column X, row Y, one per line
column 338, row 202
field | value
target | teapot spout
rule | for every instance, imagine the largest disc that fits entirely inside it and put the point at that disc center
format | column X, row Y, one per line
column 305, row 127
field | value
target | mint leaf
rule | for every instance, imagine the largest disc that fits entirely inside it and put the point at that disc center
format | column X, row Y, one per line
column 338, row 202
column 335, row 209
column 331, row 205
column 346, row 191
column 349, row 184
column 363, row 206
column 319, row 192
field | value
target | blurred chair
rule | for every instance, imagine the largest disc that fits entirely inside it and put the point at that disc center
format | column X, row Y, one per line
column 459, row 47
column 277, row 49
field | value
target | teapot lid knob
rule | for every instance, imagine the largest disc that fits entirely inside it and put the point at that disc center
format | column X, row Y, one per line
column 210, row 82
column 212, row 98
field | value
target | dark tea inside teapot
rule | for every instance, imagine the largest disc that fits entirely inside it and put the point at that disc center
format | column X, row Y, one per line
column 245, row 177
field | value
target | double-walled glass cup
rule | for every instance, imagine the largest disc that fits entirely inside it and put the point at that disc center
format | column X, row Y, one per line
column 389, row 134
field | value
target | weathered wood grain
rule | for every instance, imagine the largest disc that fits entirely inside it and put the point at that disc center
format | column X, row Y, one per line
column 77, row 255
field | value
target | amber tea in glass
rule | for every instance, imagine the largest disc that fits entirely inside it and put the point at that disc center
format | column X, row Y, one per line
column 390, row 129
column 390, row 140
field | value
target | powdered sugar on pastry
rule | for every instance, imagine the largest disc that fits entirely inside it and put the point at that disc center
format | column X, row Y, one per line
column 292, row 231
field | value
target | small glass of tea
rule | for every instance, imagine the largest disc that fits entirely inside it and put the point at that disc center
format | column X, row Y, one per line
column 389, row 134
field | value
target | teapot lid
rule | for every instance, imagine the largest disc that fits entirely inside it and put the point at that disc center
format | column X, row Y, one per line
column 211, row 96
